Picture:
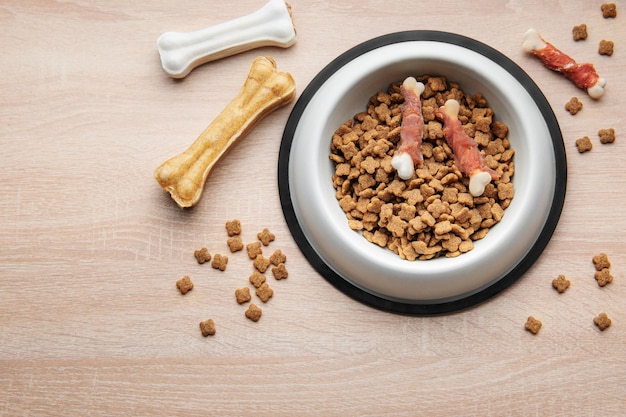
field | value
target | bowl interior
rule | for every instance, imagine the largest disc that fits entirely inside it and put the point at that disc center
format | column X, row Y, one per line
column 378, row 271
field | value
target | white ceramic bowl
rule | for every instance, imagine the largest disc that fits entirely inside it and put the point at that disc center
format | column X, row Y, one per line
column 378, row 276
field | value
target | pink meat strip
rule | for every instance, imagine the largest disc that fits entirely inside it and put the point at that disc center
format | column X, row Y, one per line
column 412, row 128
column 467, row 156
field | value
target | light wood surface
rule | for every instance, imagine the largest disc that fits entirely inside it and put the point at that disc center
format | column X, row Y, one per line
column 91, row 322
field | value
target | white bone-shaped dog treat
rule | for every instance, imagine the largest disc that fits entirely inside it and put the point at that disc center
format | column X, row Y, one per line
column 264, row 90
column 271, row 25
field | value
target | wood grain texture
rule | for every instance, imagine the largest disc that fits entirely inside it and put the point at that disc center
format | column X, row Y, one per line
column 91, row 322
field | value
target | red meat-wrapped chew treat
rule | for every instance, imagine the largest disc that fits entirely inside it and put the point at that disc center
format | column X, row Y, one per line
column 467, row 156
column 582, row 75
column 409, row 150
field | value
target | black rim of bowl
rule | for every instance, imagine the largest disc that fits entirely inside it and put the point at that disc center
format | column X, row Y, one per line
column 422, row 308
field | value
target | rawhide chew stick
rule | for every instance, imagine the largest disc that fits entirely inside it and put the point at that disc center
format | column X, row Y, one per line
column 582, row 75
column 264, row 90
column 467, row 156
column 411, row 130
column 271, row 25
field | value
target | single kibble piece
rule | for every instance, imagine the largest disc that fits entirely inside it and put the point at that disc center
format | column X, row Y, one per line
column 280, row 272
column 257, row 279
column 609, row 10
column 219, row 262
column 266, row 237
column 278, row 258
column 574, row 105
column 261, row 263
column 584, row 144
column 243, row 295
column 202, row 255
column 264, row 292
column 603, row 277
column 184, row 285
column 253, row 312
column 601, row 261
column 254, row 250
column 606, row 135
column 561, row 283
column 207, row 327
column 235, row 244
column 602, row 321
column 579, row 32
column 606, row 47
column 233, row 227
column 533, row 325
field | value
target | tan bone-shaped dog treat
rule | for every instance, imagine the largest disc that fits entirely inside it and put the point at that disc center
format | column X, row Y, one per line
column 264, row 90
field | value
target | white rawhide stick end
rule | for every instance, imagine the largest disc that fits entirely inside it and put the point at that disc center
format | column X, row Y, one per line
column 533, row 41
column 597, row 90
column 452, row 108
column 271, row 25
column 411, row 83
column 478, row 182
column 403, row 163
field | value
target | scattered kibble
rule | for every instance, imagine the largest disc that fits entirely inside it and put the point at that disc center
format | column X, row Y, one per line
column 584, row 144
column 278, row 257
column 601, row 261
column 202, row 255
column 254, row 250
column 532, row 325
column 243, row 295
column 219, row 262
column 280, row 272
column 609, row 10
column 235, row 244
column 266, row 237
column 602, row 321
column 184, row 285
column 603, row 277
column 560, row 283
column 574, row 105
column 253, row 312
column 606, row 135
column 257, row 279
column 261, row 263
column 207, row 327
column 264, row 292
column 233, row 227
column 606, row 47
column 579, row 32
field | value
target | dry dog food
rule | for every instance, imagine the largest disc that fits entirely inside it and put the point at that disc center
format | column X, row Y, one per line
column 242, row 295
column 533, row 325
column 579, row 32
column 609, row 10
column 254, row 250
column 266, row 237
column 202, row 255
column 219, row 262
column 235, row 244
column 278, row 257
column 607, row 135
column 603, row 277
column 573, row 106
column 207, row 327
column 602, row 321
column 264, row 292
column 233, row 227
column 261, row 263
column 584, row 144
column 257, row 279
column 601, row 261
column 606, row 47
column 280, row 271
column 253, row 312
column 433, row 213
column 184, row 285
column 560, row 283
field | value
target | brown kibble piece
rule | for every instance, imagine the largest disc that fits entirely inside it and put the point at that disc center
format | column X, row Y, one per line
column 583, row 144
column 257, row 279
column 261, row 263
column 532, row 325
column 278, row 257
column 233, row 227
column 280, row 271
column 264, row 292
column 253, row 312
column 254, row 249
column 606, row 135
column 574, row 105
column 207, row 327
column 579, row 32
column 234, row 244
column 184, row 285
column 601, row 261
column 606, row 47
column 603, row 277
column 243, row 295
column 561, row 283
column 219, row 262
column 602, row 321
column 202, row 255
column 266, row 237
column 609, row 10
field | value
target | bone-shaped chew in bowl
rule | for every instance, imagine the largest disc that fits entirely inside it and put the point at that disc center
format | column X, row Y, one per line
column 265, row 89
